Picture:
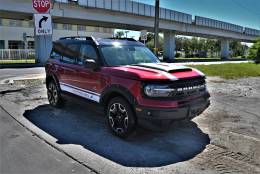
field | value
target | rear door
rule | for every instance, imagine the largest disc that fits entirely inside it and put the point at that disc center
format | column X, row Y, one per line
column 52, row 66
column 68, row 67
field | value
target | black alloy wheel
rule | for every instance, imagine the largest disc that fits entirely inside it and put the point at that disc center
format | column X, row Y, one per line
column 121, row 118
column 54, row 96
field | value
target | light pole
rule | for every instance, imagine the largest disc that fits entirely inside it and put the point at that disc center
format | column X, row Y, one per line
column 156, row 26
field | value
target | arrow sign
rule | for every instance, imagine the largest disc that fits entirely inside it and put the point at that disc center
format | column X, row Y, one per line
column 43, row 24
column 44, row 18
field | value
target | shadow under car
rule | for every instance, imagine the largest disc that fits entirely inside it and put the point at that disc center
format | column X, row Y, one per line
column 81, row 125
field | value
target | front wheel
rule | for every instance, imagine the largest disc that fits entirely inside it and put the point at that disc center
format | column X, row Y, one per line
column 54, row 96
column 121, row 118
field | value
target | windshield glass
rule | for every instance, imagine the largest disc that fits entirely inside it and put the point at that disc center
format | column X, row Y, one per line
column 127, row 55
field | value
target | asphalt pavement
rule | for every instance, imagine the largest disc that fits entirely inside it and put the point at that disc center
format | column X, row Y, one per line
column 23, row 152
column 16, row 72
column 37, row 138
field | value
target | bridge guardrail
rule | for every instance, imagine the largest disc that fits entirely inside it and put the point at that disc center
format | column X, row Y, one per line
column 133, row 7
column 202, row 21
column 251, row 31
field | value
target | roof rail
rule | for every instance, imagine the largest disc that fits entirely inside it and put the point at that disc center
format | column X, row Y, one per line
column 128, row 39
column 77, row 37
column 91, row 38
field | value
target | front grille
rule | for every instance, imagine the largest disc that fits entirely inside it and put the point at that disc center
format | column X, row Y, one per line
column 187, row 82
column 187, row 87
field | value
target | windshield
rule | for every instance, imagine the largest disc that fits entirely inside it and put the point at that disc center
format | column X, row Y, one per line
column 127, row 55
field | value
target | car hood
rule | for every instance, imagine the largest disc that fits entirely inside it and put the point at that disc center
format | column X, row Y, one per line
column 154, row 71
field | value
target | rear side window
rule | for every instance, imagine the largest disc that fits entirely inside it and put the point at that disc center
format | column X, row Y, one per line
column 70, row 53
column 56, row 51
column 87, row 52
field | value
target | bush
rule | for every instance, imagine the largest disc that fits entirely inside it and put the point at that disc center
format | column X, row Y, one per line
column 254, row 52
column 257, row 60
column 177, row 55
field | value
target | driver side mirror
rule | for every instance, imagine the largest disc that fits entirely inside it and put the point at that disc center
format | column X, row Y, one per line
column 91, row 64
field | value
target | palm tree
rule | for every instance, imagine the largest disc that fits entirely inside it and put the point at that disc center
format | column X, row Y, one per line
column 119, row 34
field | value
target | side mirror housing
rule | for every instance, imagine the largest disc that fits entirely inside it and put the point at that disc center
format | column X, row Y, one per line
column 91, row 64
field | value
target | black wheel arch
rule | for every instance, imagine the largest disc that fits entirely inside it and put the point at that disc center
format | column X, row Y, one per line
column 115, row 91
column 54, row 78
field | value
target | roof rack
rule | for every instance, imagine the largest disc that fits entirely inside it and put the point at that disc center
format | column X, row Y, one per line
column 76, row 37
column 91, row 38
column 128, row 39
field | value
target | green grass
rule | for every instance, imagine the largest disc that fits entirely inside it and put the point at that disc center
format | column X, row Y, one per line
column 17, row 61
column 194, row 58
column 205, row 58
column 230, row 71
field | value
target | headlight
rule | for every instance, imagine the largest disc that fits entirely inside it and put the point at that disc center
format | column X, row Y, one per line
column 158, row 90
column 153, row 90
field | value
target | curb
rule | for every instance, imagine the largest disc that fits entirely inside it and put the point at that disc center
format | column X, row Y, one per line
column 25, row 80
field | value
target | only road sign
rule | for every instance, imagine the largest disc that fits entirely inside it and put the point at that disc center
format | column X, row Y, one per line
column 43, row 24
column 41, row 6
column 143, row 35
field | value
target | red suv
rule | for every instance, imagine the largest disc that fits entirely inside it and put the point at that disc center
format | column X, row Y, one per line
column 127, row 79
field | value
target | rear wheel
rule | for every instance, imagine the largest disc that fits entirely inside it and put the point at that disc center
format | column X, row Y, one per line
column 121, row 118
column 54, row 96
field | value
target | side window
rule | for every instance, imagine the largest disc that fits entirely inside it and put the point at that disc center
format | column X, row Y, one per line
column 56, row 51
column 87, row 52
column 70, row 54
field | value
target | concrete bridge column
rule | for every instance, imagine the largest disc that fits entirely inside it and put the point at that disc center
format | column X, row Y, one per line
column 225, row 49
column 43, row 46
column 169, row 46
column 6, row 44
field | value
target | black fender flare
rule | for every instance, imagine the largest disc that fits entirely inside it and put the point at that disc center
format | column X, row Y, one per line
column 55, row 78
column 114, row 90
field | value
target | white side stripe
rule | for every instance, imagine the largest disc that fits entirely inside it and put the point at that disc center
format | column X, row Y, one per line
column 80, row 89
column 80, row 92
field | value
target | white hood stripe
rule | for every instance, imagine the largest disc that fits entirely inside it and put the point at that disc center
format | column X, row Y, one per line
column 166, row 74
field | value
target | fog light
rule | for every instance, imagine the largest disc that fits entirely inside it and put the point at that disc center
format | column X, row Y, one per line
column 138, row 109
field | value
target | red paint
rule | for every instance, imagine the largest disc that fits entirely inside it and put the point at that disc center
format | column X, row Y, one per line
column 41, row 6
column 128, row 77
column 147, row 74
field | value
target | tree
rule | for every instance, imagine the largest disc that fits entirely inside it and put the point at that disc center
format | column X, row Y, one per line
column 254, row 51
column 119, row 34
column 150, row 42
column 238, row 49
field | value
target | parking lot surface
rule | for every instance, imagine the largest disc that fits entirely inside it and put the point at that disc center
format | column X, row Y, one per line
column 224, row 139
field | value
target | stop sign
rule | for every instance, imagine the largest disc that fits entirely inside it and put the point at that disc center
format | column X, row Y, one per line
column 41, row 6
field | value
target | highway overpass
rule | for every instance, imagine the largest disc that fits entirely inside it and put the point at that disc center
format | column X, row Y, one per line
column 127, row 14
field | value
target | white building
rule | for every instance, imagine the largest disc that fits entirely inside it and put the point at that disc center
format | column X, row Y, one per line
column 12, row 32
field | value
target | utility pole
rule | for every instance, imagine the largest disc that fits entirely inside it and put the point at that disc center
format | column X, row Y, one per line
column 156, row 26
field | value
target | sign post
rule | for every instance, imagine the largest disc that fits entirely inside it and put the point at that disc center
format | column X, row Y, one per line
column 143, row 35
column 42, row 30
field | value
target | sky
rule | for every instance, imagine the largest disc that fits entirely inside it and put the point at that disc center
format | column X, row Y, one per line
column 242, row 12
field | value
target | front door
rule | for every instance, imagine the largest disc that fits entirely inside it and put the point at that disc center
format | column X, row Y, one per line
column 88, row 80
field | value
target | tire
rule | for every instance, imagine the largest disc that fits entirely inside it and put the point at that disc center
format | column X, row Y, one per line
column 54, row 95
column 120, row 116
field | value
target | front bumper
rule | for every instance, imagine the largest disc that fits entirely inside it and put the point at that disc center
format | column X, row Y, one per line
column 187, row 111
